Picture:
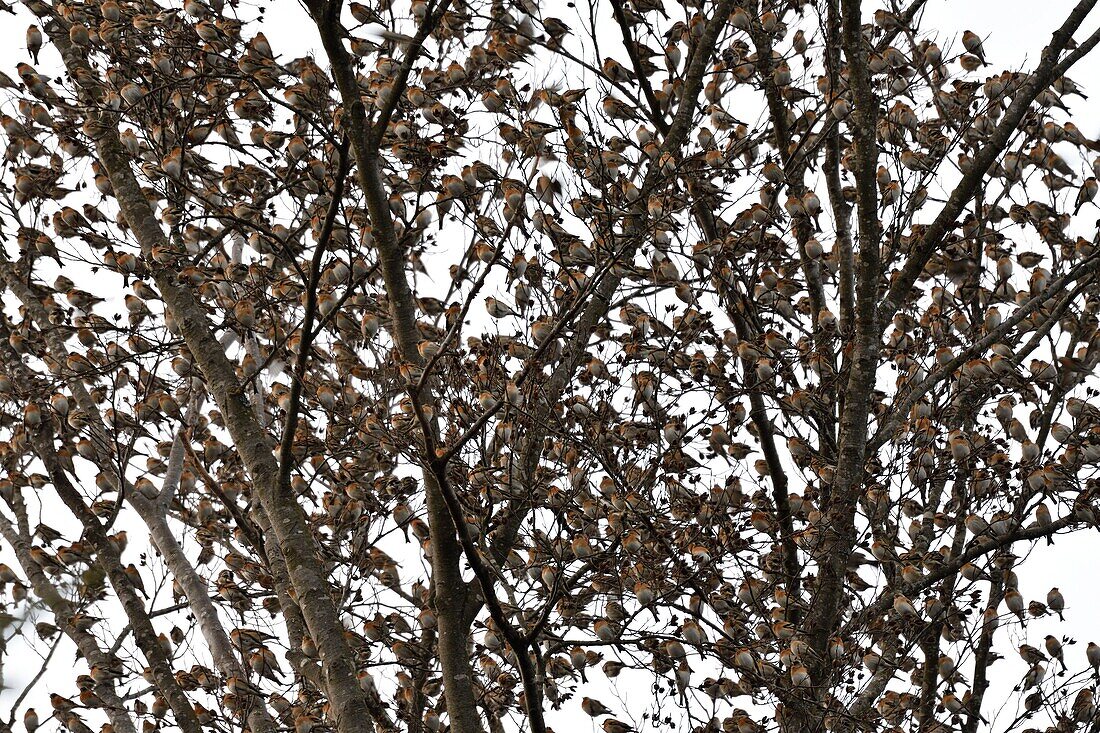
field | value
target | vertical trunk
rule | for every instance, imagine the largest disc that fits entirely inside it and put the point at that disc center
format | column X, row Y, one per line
column 450, row 597
column 450, row 591
column 449, row 588
column 289, row 524
column 838, row 533
column 982, row 658
column 288, row 521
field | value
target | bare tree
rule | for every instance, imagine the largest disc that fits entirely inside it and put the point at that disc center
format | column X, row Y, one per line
column 489, row 359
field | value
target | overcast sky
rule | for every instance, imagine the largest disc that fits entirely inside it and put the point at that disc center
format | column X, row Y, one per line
column 1014, row 33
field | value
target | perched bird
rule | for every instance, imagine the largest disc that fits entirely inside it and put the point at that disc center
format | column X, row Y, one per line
column 1092, row 653
column 83, row 621
column 135, row 579
column 1015, row 602
column 242, row 687
column 34, row 42
column 616, row 72
column 1086, row 194
column 364, row 14
column 1056, row 602
column 904, row 607
column 1031, row 655
column 611, row 725
column 1034, row 676
column 249, row 639
column 800, row 675
column 594, row 707
column 497, row 309
column 1054, row 649
column 264, row 663
column 973, row 43
column 1084, row 706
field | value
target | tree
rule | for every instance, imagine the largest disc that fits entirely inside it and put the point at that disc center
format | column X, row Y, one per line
column 461, row 360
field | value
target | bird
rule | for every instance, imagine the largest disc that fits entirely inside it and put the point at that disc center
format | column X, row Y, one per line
column 1084, row 707
column 1056, row 602
column 617, row 109
column 1015, row 602
column 498, row 309
column 1031, row 655
column 1034, row 676
column 959, row 446
column 904, row 607
column 75, row 724
column 172, row 163
column 800, row 675
column 973, row 43
column 916, row 161
column 1092, row 654
column 1054, row 649
column 772, row 172
column 616, row 72
column 594, row 708
column 364, row 14
column 693, row 633
column 1086, row 194
column 83, row 621
column 242, row 687
column 306, row 722
column 611, row 725
column 34, row 42
column 263, row 662
column 135, row 579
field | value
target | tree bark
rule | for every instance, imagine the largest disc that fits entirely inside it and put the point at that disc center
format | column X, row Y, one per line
column 449, row 588
column 63, row 611
column 109, row 559
column 288, row 521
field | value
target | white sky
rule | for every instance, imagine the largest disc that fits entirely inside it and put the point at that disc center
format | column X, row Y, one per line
column 1014, row 31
